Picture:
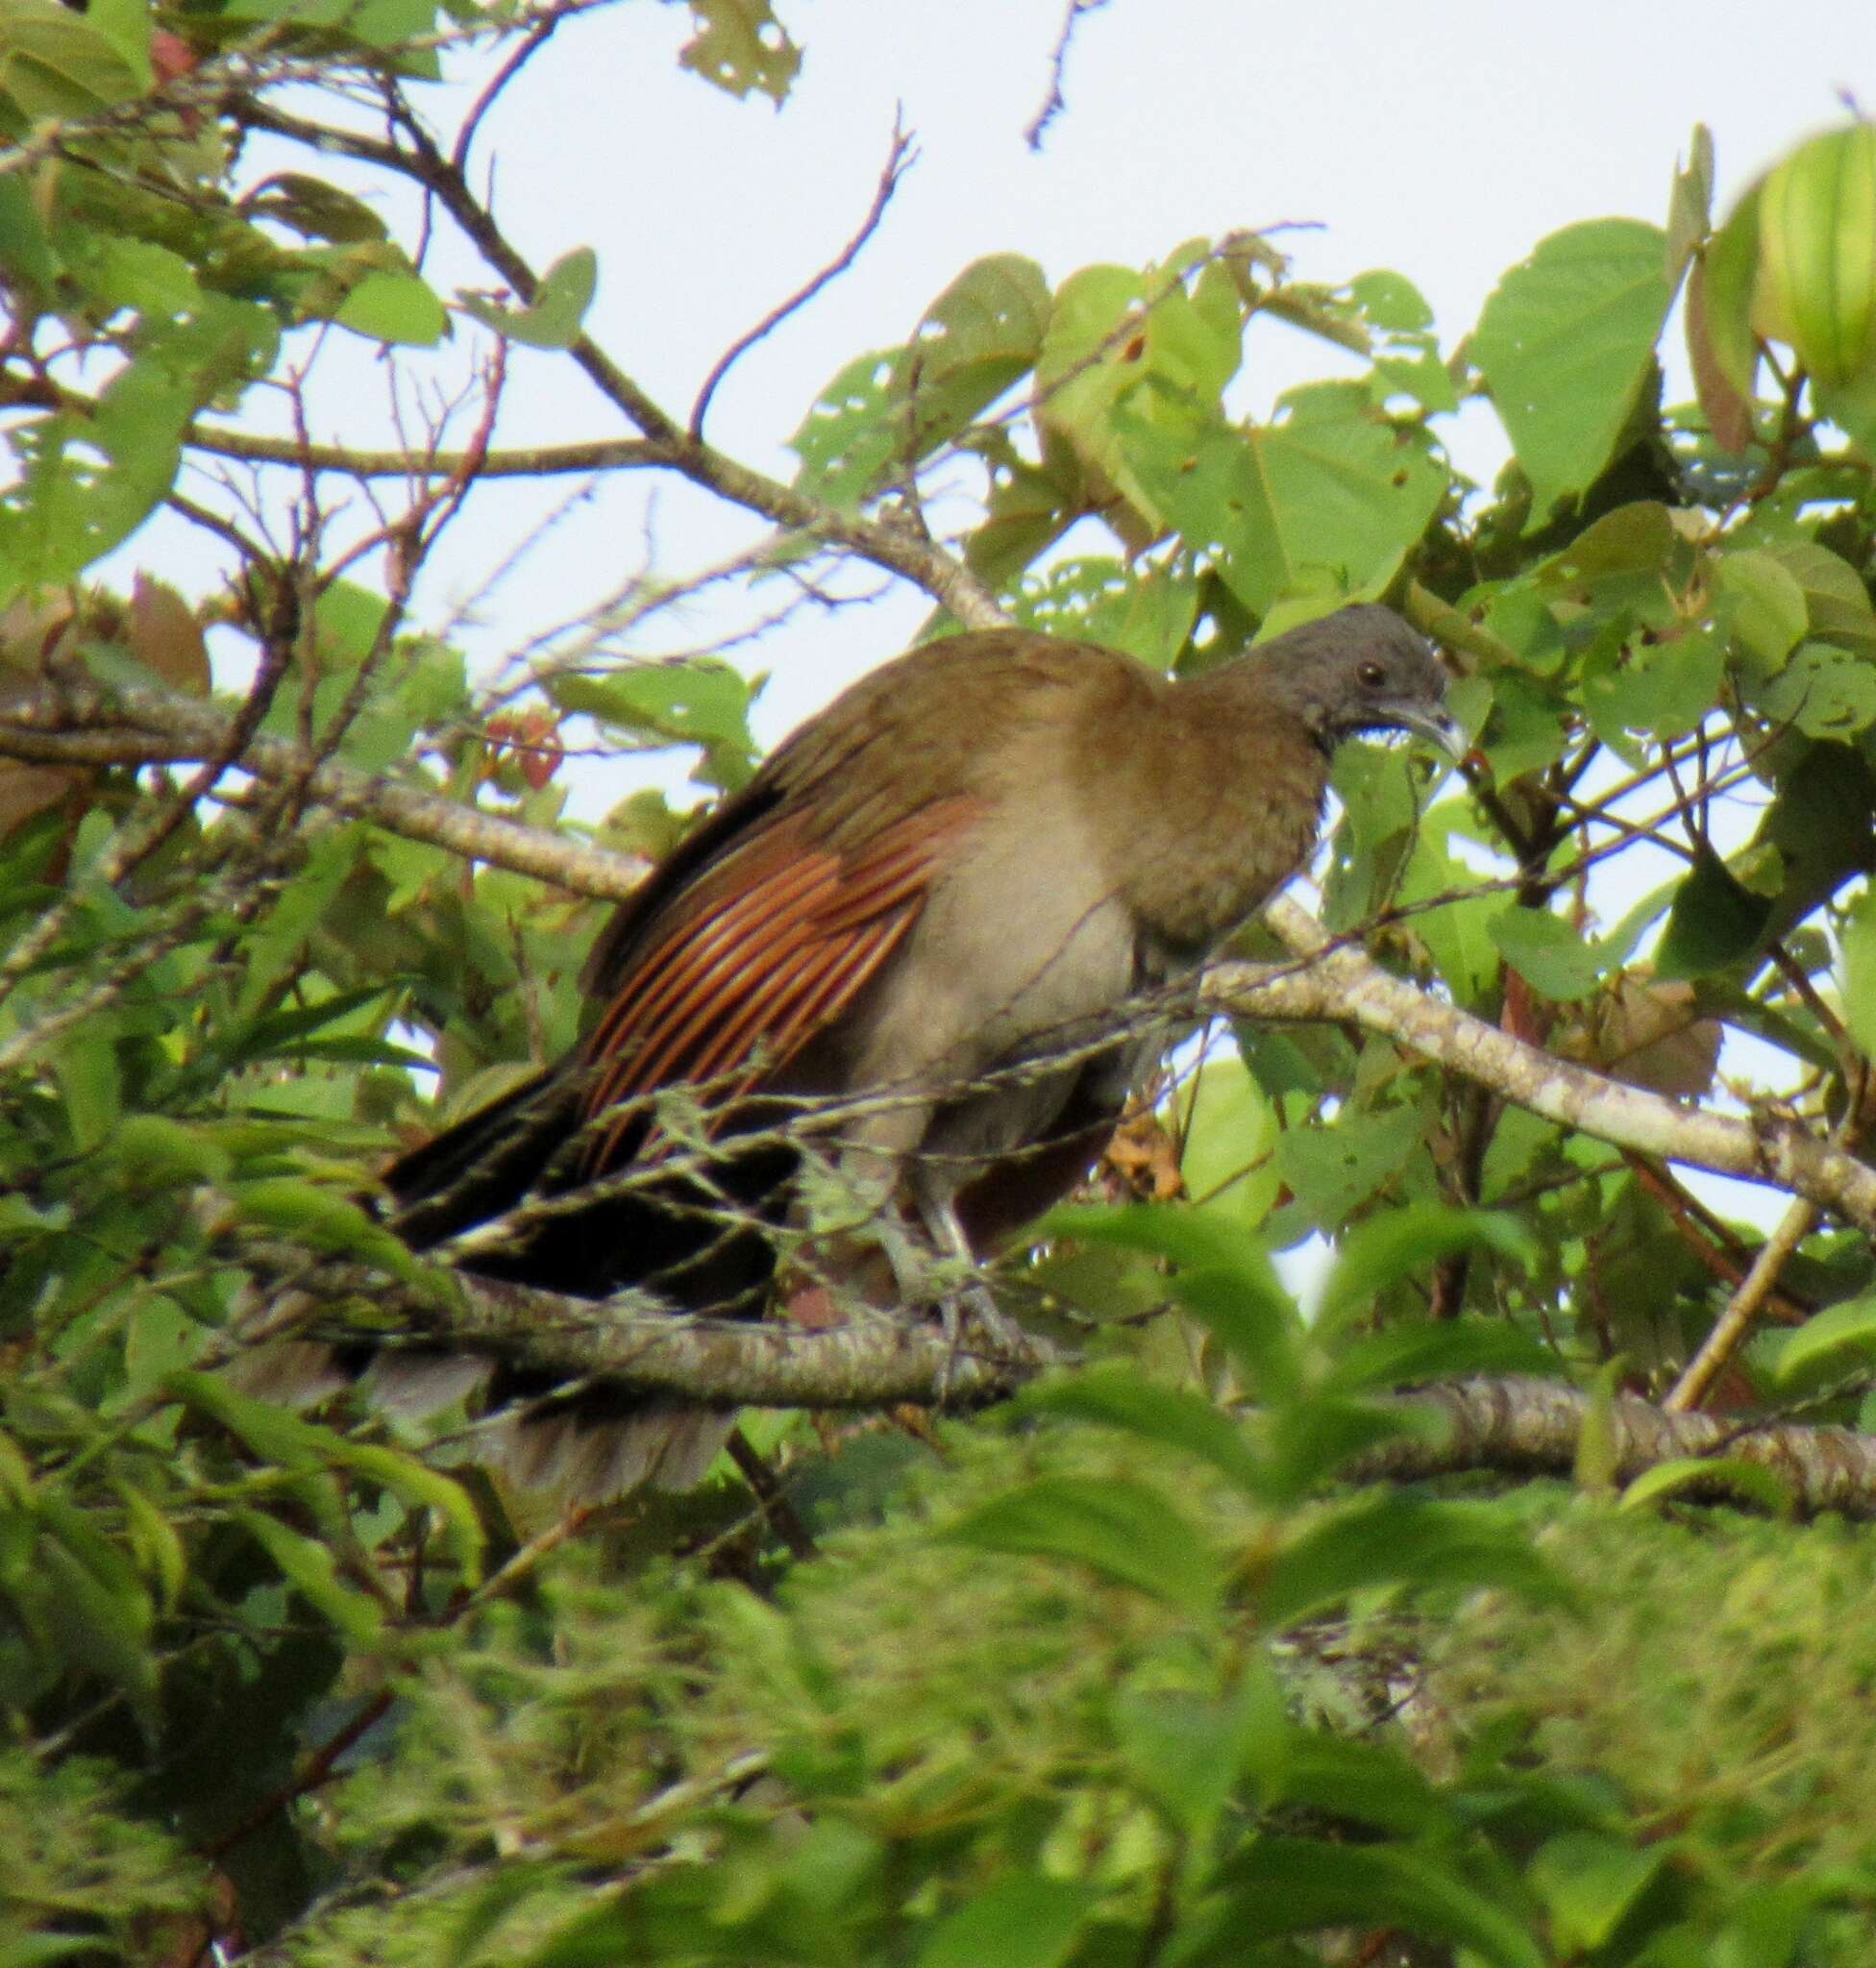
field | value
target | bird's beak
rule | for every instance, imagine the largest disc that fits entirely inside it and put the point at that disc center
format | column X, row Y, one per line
column 1439, row 728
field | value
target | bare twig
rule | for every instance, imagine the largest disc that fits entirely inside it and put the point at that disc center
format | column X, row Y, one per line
column 1736, row 1321
column 899, row 158
column 1055, row 102
column 781, row 1515
column 886, row 542
column 317, row 1769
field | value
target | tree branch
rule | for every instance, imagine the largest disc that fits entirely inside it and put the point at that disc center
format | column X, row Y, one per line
column 1730, row 1329
column 1338, row 982
column 140, row 726
column 1534, row 1427
column 1517, row 1425
column 876, row 1363
column 527, row 461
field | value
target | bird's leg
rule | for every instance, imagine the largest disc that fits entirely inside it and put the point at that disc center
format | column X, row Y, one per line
column 971, row 1297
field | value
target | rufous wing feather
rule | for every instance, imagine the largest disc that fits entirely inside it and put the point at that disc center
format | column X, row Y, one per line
column 770, row 946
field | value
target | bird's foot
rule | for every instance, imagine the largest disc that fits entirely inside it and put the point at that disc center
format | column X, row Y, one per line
column 971, row 1307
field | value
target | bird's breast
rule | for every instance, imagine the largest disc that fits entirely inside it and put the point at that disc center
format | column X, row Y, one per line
column 1229, row 828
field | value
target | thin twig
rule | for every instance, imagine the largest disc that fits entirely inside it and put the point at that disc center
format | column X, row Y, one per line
column 316, row 1770
column 1736, row 1321
column 1055, row 102
column 899, row 158
column 780, row 1515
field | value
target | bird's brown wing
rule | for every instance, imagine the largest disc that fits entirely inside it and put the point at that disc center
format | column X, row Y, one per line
column 769, row 946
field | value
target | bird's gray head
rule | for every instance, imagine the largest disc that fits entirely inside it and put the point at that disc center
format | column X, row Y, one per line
column 1361, row 669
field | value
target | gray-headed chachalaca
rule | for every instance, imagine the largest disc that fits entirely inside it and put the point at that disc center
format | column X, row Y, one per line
column 895, row 948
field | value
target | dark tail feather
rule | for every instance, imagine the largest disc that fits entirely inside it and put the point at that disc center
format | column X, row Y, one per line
column 484, row 1165
column 669, row 1238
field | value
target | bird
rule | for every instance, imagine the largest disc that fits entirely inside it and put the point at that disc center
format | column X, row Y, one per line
column 895, row 957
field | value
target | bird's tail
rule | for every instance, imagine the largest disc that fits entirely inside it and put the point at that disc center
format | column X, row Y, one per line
column 587, row 1442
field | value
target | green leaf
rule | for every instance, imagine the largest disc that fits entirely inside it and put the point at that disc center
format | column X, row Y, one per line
column 156, row 1153
column 886, row 411
column 156, row 1543
column 1633, row 566
column 381, row 24
column 1858, row 941
column 1564, row 342
column 1401, row 1244
column 1148, row 612
column 1765, row 604
column 1552, row 957
column 1297, row 1886
column 26, row 255
column 1408, row 363
column 1117, row 1395
column 322, row 1219
column 1839, row 1339
column 273, row 1434
column 1227, row 1132
column 1409, row 1355
column 1326, row 499
column 1714, row 921
column 53, row 63
column 1185, row 1750
column 102, row 1617
column 1689, row 204
column 397, row 307
column 1336, row 1167
column 422, row 1488
column 88, row 484
column 309, row 1568
column 313, row 209
column 1125, row 1530
column 1817, row 254
column 1309, row 1442
column 980, row 337
column 1588, row 1886
column 1026, row 1921
column 1704, row 1476
column 854, row 437
column 1820, row 691
column 1130, row 363
column 1394, row 1540
column 1664, row 689
column 1367, row 1783
column 1223, row 1278
column 698, row 700
column 553, row 318
column 739, row 47
column 85, row 1065
column 263, row 1038
column 1721, row 345
column 1838, row 609
column 1391, row 302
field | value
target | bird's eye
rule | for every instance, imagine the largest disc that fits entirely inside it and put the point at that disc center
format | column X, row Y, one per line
column 1372, row 676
